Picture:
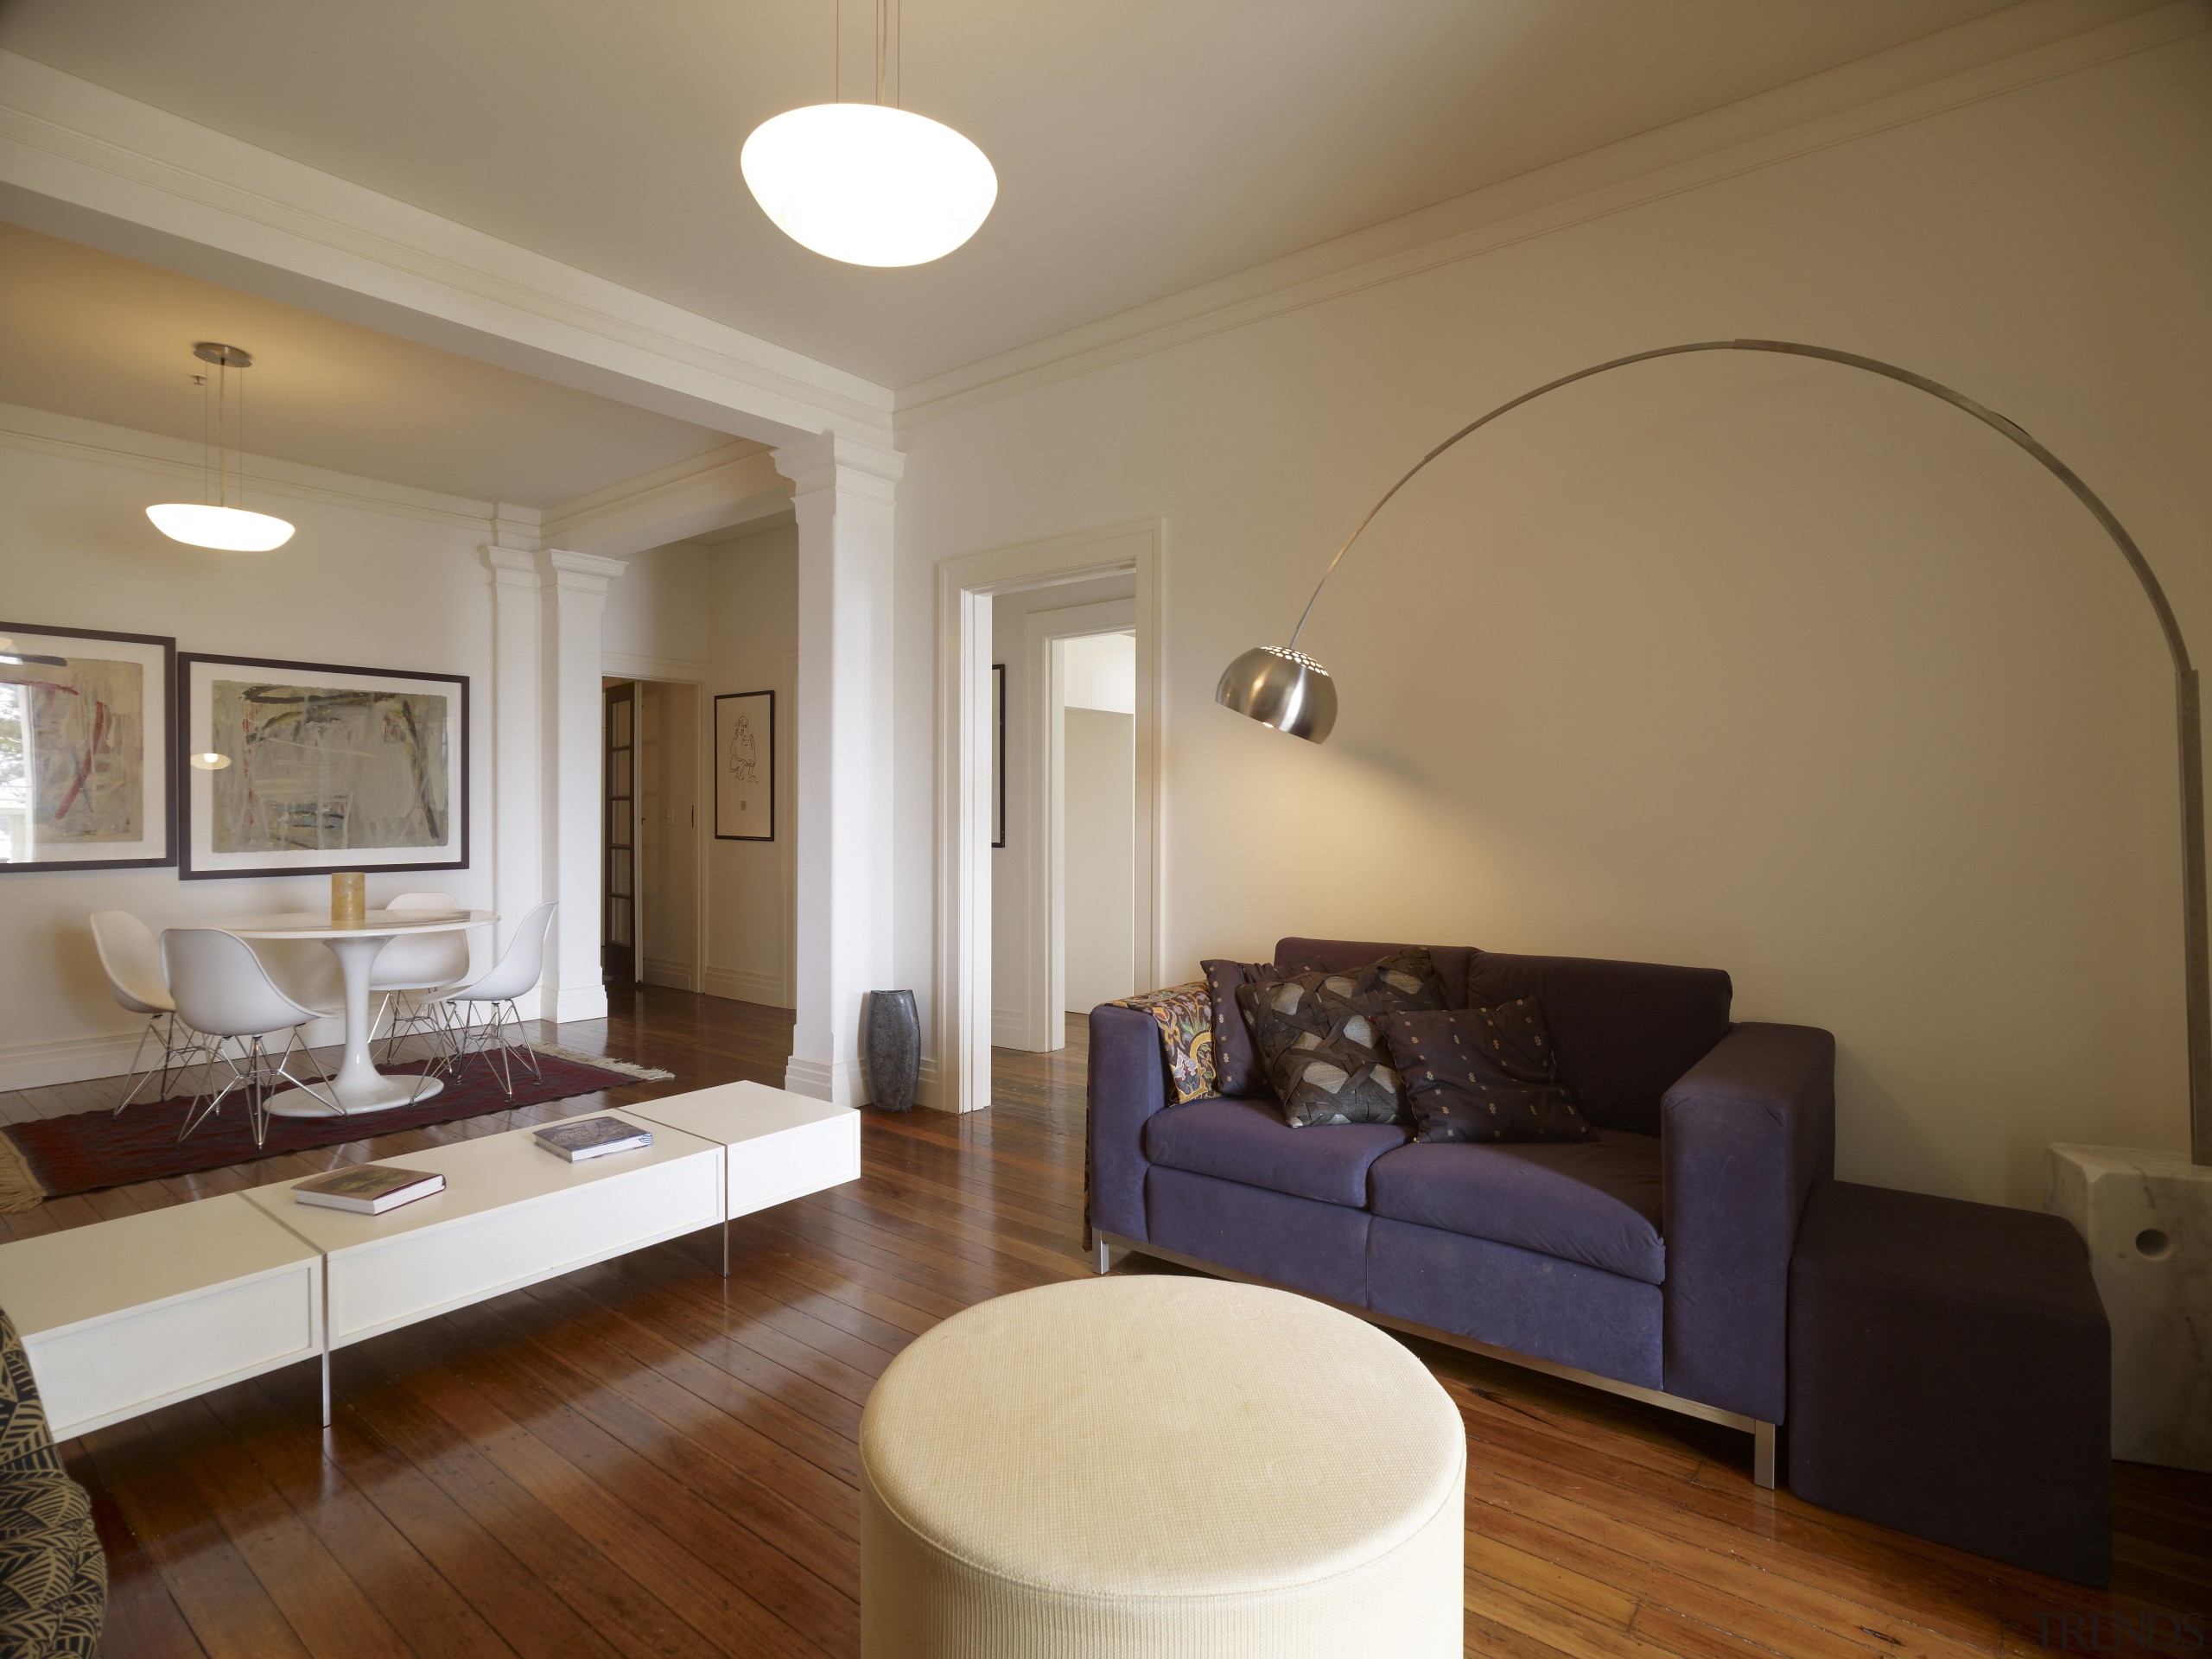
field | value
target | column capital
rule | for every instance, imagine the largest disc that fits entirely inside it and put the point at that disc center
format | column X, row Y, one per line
column 577, row 573
column 833, row 461
column 511, row 567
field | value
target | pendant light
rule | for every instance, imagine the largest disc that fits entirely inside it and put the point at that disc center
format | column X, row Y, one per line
column 215, row 523
column 869, row 184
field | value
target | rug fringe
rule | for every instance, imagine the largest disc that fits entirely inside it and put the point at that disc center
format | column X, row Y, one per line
column 19, row 1188
column 642, row 1073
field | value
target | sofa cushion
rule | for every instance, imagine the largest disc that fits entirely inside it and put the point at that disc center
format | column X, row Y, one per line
column 1247, row 1141
column 1316, row 1037
column 1595, row 1202
column 1625, row 1030
column 1236, row 1067
column 1482, row 1074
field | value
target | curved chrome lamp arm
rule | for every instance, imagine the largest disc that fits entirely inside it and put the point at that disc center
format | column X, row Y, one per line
column 1282, row 688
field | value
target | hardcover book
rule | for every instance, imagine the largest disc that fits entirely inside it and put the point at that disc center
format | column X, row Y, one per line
column 369, row 1189
column 592, row 1137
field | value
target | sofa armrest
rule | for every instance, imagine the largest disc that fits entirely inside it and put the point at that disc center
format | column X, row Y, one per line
column 1127, row 1084
column 1744, row 1133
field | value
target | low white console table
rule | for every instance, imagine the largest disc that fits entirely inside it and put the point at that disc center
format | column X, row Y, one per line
column 123, row 1317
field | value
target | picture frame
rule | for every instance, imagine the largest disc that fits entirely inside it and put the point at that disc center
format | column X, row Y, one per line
column 87, row 768
column 745, row 766
column 998, row 755
column 332, row 767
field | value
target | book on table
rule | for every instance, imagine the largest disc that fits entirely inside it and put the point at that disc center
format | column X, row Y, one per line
column 369, row 1189
column 591, row 1137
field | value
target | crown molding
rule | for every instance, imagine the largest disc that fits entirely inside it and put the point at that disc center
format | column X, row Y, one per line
column 45, row 432
column 88, row 162
column 724, row 487
column 2016, row 47
column 836, row 462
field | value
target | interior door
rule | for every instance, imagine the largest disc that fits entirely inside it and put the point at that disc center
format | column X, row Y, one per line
column 617, row 953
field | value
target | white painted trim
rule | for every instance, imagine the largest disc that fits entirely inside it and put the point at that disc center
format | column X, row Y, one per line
column 962, row 1022
column 627, row 666
column 743, row 985
column 718, row 491
column 43, row 432
column 81, row 161
column 83, row 1059
column 2004, row 52
column 1044, row 817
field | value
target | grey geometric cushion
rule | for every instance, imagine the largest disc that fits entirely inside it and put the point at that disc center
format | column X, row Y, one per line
column 1317, row 1037
column 53, row 1574
column 1482, row 1074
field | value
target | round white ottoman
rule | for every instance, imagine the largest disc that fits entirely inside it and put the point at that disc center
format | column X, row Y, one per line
column 1160, row 1466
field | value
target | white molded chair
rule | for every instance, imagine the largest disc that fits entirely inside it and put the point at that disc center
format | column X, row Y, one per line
column 512, row 975
column 131, row 958
column 222, row 990
column 410, row 972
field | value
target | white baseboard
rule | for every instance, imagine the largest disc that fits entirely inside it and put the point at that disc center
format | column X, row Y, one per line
column 566, row 1002
column 1010, row 1028
column 740, row 986
column 107, row 1054
column 925, row 1084
column 677, row 975
column 839, row 1082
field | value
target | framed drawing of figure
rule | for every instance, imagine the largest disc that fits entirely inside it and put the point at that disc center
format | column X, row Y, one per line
column 299, row 768
column 745, row 766
column 85, row 726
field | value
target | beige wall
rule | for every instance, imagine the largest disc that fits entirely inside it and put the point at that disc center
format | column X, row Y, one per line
column 752, row 604
column 669, row 849
column 1748, row 663
column 1099, row 782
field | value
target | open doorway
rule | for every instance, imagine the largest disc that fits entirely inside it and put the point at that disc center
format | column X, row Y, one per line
column 1093, row 693
column 652, row 873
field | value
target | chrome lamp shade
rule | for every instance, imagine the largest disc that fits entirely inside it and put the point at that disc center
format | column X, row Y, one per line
column 1282, row 687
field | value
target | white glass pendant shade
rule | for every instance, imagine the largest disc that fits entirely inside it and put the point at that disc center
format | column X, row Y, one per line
column 869, row 185
column 233, row 530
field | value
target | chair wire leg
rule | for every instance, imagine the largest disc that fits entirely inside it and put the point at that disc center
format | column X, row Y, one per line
column 140, row 1077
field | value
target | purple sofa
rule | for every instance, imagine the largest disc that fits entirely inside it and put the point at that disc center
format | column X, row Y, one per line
column 1653, row 1260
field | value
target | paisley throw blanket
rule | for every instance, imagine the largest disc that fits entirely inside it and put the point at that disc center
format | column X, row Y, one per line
column 1184, row 1015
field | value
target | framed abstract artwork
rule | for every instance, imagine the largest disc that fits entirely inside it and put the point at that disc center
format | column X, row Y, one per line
column 745, row 766
column 84, row 764
column 292, row 768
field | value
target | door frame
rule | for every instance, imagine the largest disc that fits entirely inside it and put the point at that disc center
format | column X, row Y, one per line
column 957, row 1075
column 678, row 670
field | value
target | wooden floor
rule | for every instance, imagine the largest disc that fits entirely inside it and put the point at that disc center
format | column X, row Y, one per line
column 643, row 1458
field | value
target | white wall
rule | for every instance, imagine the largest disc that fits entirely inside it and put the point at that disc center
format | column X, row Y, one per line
column 1735, row 661
column 1019, row 970
column 1099, row 780
column 657, row 610
column 1099, row 670
column 752, row 612
column 375, row 577
column 668, row 864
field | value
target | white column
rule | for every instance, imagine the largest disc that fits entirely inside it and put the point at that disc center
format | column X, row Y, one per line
column 575, row 596
column 843, row 493
column 517, row 844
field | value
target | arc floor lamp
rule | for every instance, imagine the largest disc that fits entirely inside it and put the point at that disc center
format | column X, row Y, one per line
column 1281, row 687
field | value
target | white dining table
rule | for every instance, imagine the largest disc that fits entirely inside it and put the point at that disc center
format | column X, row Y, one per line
column 356, row 1085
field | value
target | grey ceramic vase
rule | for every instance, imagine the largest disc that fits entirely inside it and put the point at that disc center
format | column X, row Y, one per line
column 892, row 1050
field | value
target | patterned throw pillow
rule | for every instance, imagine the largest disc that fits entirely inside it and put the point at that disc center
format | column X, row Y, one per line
column 1482, row 1074
column 1184, row 1015
column 1316, row 1036
column 1236, row 1065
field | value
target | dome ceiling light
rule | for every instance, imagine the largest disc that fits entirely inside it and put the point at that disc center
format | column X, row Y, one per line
column 869, row 184
column 215, row 523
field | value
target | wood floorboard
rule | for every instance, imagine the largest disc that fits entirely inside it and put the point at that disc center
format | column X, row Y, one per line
column 641, row 1458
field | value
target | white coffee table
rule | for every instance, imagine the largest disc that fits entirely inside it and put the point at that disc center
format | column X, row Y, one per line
column 129, row 1315
column 777, row 1146
column 512, row 1214
column 358, row 1086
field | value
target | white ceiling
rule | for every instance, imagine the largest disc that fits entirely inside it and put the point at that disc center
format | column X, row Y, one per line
column 107, row 338
column 1142, row 146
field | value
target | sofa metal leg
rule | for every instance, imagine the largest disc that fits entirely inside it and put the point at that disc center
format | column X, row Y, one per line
column 1762, row 1439
column 1102, row 1257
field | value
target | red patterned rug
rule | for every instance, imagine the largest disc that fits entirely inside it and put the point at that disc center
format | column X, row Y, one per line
column 54, row 1157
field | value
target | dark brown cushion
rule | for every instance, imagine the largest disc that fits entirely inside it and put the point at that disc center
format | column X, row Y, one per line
column 1236, row 1065
column 1482, row 1074
column 1316, row 1036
